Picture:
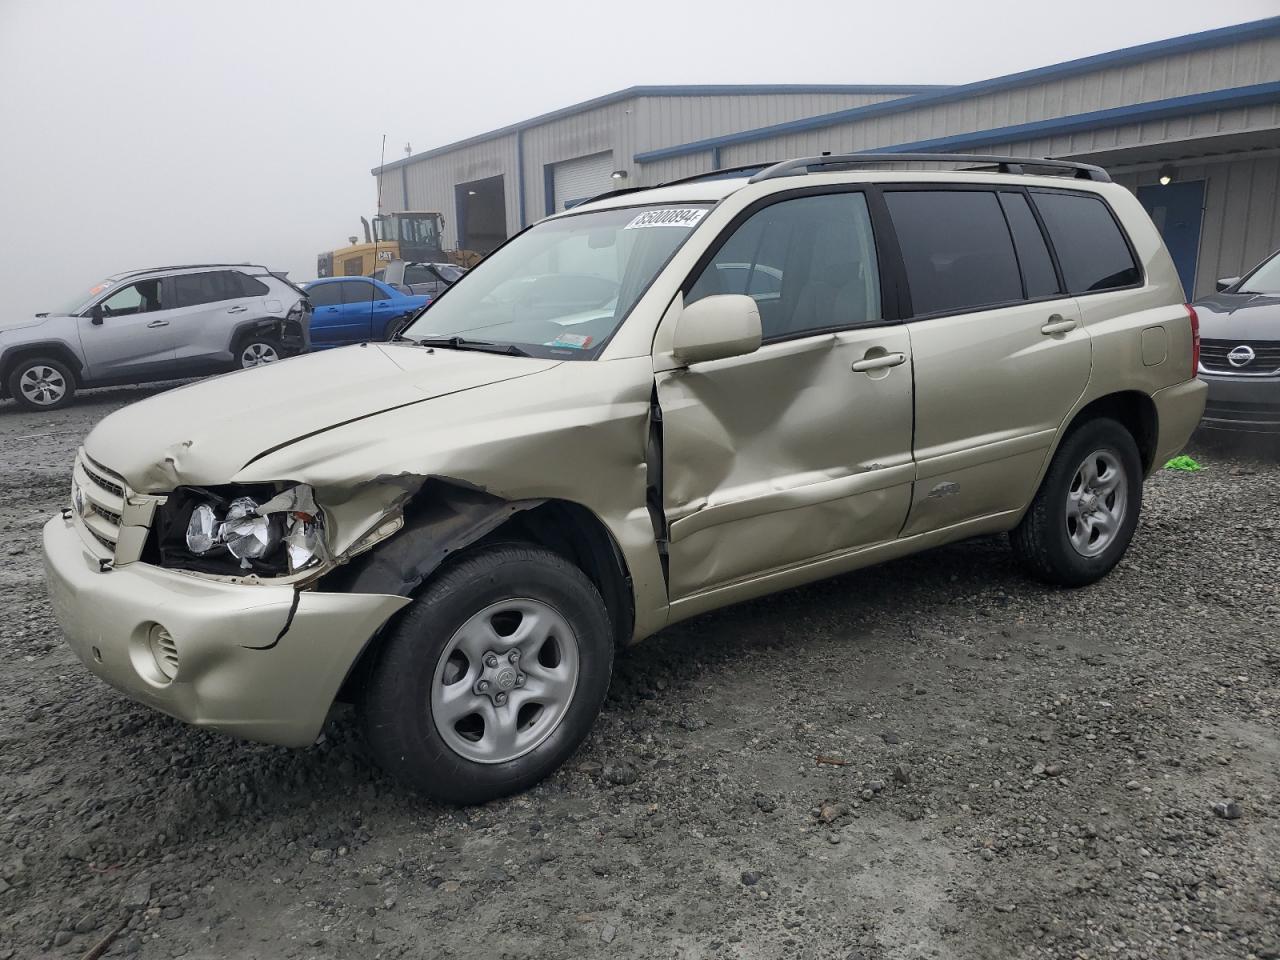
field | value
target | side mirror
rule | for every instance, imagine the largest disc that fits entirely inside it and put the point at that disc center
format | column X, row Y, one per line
column 1226, row 282
column 95, row 314
column 713, row 328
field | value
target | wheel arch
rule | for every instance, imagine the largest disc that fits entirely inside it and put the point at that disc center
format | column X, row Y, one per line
column 55, row 349
column 445, row 519
column 1135, row 411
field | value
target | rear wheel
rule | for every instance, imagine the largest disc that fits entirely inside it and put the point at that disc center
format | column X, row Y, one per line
column 396, row 326
column 492, row 678
column 1084, row 514
column 257, row 352
column 42, row 383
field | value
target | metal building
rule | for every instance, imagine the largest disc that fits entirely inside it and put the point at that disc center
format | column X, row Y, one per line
column 1192, row 124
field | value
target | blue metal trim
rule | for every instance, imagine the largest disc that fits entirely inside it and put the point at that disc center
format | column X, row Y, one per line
column 549, row 188
column 715, row 158
column 520, row 176
column 1139, row 112
column 695, row 90
column 1254, row 30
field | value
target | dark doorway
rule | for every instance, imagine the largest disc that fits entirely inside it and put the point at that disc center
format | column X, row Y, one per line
column 1177, row 209
column 482, row 214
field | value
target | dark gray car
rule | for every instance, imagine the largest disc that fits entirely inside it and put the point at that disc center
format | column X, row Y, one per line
column 1240, row 350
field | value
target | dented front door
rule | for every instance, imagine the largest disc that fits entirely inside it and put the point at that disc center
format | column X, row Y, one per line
column 786, row 455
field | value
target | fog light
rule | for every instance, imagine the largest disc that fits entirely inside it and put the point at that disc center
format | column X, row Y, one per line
column 163, row 650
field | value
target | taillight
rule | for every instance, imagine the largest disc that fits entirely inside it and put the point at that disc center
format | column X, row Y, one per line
column 1195, row 339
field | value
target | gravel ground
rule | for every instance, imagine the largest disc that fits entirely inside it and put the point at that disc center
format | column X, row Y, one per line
column 1007, row 771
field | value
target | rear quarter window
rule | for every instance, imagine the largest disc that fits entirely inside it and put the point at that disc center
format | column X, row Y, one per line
column 1092, row 252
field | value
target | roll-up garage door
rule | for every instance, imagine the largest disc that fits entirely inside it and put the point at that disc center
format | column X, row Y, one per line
column 580, row 179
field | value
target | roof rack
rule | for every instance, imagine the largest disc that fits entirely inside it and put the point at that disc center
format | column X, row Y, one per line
column 803, row 165
column 189, row 266
column 721, row 174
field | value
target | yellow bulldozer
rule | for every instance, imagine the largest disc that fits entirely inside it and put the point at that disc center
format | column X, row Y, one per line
column 411, row 236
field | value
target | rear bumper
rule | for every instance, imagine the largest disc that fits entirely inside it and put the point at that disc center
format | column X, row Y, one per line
column 258, row 661
column 1244, row 404
column 1178, row 411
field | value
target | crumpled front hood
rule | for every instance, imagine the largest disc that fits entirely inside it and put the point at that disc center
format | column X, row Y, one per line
column 1239, row 316
column 206, row 432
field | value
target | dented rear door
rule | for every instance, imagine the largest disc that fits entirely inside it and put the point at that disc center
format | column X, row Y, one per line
column 801, row 450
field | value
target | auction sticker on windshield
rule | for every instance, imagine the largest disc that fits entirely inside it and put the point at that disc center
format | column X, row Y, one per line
column 670, row 217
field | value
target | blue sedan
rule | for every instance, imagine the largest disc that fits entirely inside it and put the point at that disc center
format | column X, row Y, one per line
column 357, row 309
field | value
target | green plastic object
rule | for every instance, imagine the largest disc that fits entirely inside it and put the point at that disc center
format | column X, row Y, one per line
column 1183, row 463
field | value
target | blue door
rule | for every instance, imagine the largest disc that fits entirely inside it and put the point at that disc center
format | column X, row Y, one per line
column 1177, row 209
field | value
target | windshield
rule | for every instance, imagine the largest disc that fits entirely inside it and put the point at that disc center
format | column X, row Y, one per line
column 561, row 288
column 1266, row 279
column 82, row 299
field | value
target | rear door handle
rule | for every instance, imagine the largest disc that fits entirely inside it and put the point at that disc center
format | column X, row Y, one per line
column 878, row 363
column 240, row 309
column 158, row 323
column 1057, row 324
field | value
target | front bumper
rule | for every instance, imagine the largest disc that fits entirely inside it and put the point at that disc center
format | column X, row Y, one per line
column 1246, row 404
column 258, row 661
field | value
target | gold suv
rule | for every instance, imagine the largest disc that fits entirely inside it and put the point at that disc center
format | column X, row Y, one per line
column 658, row 403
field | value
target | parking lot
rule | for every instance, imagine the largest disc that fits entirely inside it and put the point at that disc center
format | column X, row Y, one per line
column 934, row 758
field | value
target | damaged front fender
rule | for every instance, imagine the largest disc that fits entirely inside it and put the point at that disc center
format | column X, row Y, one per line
column 448, row 517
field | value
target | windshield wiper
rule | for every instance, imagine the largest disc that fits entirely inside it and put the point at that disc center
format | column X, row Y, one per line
column 482, row 346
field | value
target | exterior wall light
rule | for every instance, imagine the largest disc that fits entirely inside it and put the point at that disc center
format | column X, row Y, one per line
column 1167, row 174
column 618, row 175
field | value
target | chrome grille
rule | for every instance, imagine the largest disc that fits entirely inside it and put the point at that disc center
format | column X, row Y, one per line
column 1266, row 356
column 98, row 501
column 99, row 479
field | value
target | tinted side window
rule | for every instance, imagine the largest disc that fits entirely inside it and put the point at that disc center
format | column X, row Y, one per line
column 1090, row 248
column 192, row 289
column 1033, row 254
column 325, row 295
column 956, row 249
column 809, row 263
column 357, row 292
column 247, row 286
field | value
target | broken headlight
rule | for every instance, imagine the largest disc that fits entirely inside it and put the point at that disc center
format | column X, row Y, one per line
column 241, row 530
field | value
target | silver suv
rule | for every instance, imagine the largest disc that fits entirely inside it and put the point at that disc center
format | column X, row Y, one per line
column 156, row 324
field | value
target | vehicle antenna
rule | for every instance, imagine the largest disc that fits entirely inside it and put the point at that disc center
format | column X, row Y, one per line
column 382, row 162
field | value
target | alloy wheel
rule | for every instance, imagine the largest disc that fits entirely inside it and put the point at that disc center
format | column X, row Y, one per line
column 505, row 680
column 258, row 353
column 1096, row 503
column 42, row 385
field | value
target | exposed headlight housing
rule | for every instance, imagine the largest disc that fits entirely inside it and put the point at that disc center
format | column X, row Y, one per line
column 236, row 531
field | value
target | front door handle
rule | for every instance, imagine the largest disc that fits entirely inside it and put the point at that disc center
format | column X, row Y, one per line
column 240, row 309
column 158, row 323
column 881, row 362
column 1057, row 324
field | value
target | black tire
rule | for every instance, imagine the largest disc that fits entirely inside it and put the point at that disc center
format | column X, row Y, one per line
column 266, row 349
column 1042, row 542
column 395, row 705
column 59, row 377
column 396, row 327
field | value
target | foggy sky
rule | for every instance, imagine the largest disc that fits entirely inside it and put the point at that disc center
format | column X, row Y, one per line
column 143, row 133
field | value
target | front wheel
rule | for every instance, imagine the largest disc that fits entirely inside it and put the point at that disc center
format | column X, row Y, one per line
column 492, row 678
column 42, row 383
column 1082, row 519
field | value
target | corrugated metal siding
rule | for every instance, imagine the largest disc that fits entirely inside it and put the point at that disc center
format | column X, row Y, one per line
column 625, row 128
column 432, row 182
column 1241, row 214
column 1234, row 65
